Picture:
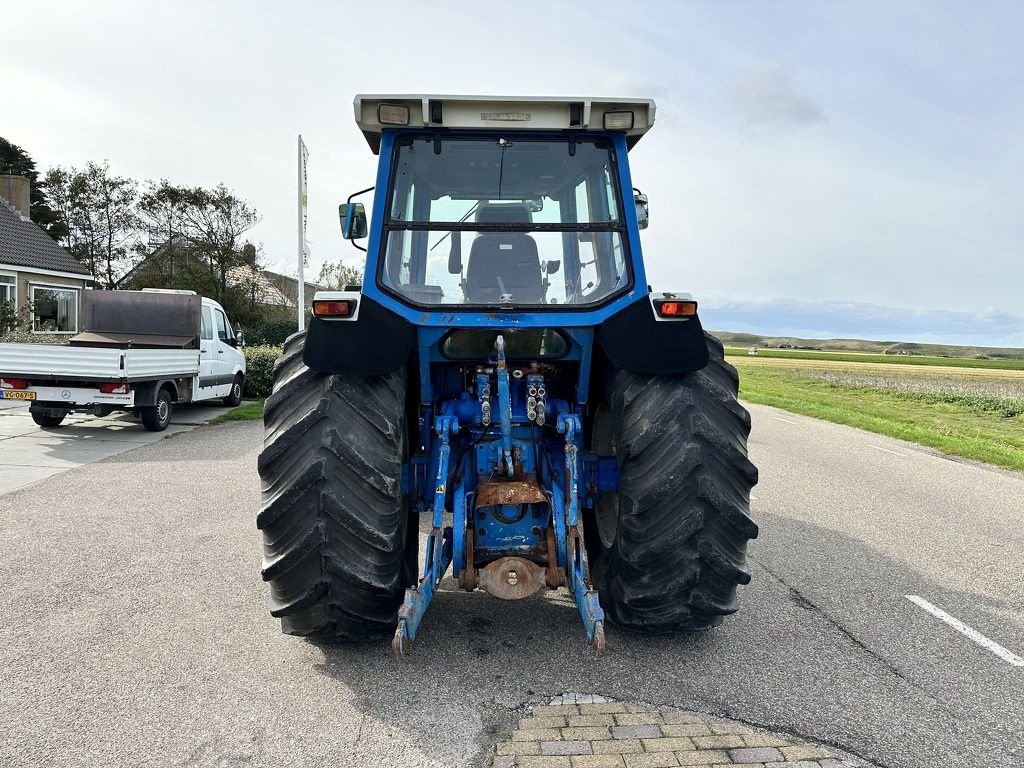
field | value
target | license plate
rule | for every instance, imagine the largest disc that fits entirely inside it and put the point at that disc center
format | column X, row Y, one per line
column 17, row 394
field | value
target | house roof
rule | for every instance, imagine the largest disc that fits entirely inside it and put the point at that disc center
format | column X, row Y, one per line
column 244, row 275
column 291, row 282
column 23, row 244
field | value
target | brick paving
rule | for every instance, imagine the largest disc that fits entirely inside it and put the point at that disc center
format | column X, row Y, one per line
column 589, row 731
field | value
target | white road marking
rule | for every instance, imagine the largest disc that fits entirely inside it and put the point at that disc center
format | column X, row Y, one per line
column 974, row 634
column 779, row 418
column 879, row 448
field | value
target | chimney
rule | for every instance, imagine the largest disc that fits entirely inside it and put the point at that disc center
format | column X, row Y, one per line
column 15, row 190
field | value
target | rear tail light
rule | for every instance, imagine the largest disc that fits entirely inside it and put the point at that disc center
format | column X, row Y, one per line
column 675, row 308
column 14, row 383
column 334, row 308
column 115, row 389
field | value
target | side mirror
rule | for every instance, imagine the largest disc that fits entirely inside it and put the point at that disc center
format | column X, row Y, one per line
column 239, row 339
column 553, row 266
column 353, row 220
column 642, row 214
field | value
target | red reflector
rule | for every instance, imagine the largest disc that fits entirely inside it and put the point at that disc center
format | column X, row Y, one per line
column 14, row 383
column 115, row 389
column 676, row 308
column 334, row 308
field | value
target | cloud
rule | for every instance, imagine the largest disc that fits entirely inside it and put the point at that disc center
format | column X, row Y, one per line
column 824, row 319
column 765, row 96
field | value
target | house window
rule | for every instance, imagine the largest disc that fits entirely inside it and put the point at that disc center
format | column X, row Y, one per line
column 9, row 290
column 54, row 310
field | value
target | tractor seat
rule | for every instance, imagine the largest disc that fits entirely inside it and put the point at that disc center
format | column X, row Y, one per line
column 507, row 263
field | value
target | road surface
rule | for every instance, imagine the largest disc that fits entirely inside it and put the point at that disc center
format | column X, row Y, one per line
column 135, row 630
column 29, row 453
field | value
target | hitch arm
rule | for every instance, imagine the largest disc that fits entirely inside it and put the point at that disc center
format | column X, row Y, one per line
column 439, row 547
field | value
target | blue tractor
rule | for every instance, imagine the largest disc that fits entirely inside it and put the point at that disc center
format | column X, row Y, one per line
column 505, row 378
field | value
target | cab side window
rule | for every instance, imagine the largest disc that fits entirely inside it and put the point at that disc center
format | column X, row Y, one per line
column 206, row 331
column 222, row 325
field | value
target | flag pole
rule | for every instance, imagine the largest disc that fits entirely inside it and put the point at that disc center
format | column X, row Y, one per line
column 302, row 237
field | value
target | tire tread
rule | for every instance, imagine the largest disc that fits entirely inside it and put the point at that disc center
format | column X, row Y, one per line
column 684, row 500
column 332, row 513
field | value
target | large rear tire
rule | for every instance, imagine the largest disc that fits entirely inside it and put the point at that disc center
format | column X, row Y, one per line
column 339, row 546
column 669, row 549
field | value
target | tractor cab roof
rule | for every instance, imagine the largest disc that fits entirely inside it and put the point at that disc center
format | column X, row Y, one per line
column 374, row 113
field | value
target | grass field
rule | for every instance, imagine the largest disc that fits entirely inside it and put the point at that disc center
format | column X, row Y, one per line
column 858, row 357
column 969, row 410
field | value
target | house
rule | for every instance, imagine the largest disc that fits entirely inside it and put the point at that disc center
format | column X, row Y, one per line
column 175, row 263
column 257, row 286
column 289, row 288
column 40, row 279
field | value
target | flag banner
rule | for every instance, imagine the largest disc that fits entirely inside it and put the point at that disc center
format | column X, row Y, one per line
column 303, row 194
column 303, row 254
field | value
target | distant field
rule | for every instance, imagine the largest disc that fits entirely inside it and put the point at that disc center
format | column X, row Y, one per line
column 859, row 357
column 854, row 346
column 962, row 407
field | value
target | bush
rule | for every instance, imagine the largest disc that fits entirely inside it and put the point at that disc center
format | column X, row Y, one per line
column 22, row 336
column 259, row 369
column 8, row 317
column 272, row 332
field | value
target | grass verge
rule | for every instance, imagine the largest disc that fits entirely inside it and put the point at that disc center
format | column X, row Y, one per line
column 959, row 428
column 250, row 410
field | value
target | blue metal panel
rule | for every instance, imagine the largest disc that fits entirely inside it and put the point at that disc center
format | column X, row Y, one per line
column 510, row 529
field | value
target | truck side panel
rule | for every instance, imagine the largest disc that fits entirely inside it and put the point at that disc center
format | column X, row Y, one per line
column 60, row 361
column 67, row 363
column 141, row 364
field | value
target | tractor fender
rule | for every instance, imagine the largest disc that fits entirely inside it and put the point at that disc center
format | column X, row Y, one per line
column 634, row 339
column 375, row 342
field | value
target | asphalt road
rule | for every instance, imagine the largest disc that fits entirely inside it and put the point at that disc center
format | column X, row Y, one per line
column 29, row 453
column 134, row 627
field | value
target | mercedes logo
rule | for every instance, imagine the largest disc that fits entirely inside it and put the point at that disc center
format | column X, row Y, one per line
column 66, row 394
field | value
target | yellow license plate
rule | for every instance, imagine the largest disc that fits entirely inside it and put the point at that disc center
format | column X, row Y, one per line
column 18, row 394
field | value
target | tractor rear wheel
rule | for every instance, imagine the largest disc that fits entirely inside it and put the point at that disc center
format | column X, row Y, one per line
column 669, row 549
column 339, row 546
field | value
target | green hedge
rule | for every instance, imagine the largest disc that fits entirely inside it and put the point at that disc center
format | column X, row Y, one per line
column 272, row 332
column 259, row 369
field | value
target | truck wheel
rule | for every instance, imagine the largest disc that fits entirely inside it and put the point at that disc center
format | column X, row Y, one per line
column 339, row 547
column 235, row 396
column 47, row 422
column 155, row 418
column 669, row 549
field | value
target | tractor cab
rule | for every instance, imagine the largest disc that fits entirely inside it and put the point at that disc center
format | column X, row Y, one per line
column 512, row 204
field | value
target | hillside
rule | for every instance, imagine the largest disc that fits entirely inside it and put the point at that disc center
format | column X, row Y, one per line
column 863, row 345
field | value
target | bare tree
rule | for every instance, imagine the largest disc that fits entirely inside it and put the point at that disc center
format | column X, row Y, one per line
column 334, row 277
column 215, row 221
column 97, row 210
column 114, row 204
column 62, row 201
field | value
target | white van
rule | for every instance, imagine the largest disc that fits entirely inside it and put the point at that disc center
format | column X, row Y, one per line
column 141, row 351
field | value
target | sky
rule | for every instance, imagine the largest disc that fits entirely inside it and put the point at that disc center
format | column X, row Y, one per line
column 840, row 169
